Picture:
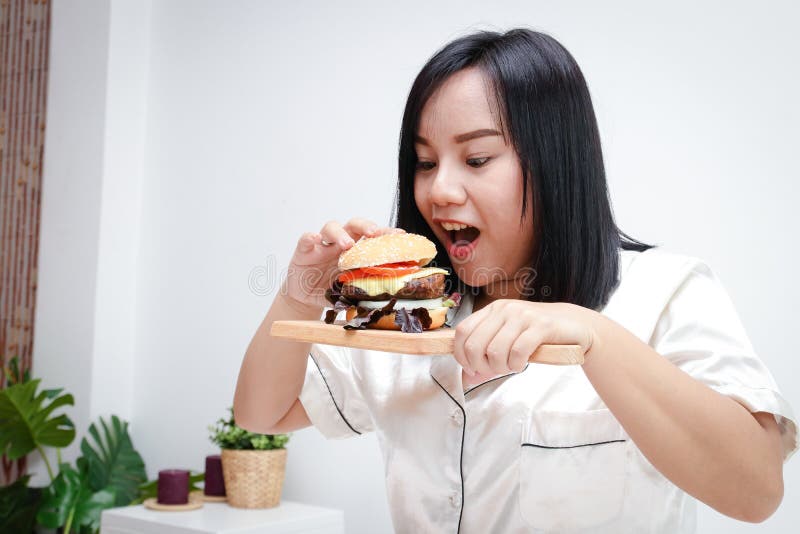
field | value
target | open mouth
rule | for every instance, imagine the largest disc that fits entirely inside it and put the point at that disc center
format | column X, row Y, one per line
column 462, row 239
column 461, row 234
column 465, row 236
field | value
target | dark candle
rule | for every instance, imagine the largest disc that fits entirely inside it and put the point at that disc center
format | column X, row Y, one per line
column 215, row 484
column 173, row 486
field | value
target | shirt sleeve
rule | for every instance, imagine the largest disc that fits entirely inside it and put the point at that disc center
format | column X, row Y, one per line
column 700, row 332
column 332, row 395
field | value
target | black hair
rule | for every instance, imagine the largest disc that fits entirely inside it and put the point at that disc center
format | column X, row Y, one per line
column 546, row 110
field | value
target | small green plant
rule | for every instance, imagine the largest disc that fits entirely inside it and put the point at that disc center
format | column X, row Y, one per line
column 227, row 435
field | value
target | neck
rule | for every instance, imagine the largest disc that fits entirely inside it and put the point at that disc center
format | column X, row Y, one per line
column 501, row 289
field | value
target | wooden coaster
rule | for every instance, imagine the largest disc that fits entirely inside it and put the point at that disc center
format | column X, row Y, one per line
column 194, row 503
column 209, row 498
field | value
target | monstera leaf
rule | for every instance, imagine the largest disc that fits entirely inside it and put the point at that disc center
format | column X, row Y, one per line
column 109, row 474
column 70, row 501
column 26, row 422
column 18, row 505
column 112, row 463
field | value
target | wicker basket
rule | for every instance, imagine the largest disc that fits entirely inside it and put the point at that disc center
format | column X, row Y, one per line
column 253, row 479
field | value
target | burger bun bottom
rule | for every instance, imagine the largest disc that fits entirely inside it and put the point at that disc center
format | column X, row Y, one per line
column 438, row 317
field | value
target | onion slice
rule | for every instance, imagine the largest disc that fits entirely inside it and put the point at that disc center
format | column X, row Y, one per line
column 410, row 304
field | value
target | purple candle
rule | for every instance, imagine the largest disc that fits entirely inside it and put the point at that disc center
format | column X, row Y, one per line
column 215, row 484
column 173, row 486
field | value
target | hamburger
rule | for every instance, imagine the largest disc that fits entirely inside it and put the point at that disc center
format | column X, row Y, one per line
column 383, row 283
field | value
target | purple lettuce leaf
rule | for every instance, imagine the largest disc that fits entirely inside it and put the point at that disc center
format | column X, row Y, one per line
column 415, row 321
column 339, row 301
column 365, row 317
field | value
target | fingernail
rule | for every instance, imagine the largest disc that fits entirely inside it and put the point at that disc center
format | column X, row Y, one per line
column 372, row 229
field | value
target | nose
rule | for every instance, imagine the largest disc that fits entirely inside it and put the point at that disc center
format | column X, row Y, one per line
column 447, row 187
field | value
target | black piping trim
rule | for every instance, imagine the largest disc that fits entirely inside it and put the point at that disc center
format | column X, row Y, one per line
column 574, row 446
column 461, row 458
column 332, row 397
column 495, row 378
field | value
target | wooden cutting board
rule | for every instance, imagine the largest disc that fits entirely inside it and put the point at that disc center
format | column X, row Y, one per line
column 432, row 342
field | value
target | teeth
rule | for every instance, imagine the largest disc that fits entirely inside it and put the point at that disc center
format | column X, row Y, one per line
column 453, row 226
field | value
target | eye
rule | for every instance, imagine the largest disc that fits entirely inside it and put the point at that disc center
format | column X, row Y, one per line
column 425, row 165
column 477, row 162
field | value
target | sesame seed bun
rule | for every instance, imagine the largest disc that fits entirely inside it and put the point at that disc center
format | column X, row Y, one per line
column 438, row 317
column 388, row 248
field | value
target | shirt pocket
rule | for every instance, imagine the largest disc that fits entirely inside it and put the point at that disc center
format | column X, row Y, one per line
column 573, row 470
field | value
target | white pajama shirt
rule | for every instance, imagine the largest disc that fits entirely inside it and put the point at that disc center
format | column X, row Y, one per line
column 538, row 451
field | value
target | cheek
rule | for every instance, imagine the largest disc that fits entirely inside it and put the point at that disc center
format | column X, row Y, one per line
column 420, row 197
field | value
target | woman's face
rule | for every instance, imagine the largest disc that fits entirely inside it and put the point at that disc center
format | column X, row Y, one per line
column 468, row 174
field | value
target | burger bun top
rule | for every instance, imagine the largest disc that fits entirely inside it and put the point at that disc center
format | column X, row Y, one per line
column 388, row 248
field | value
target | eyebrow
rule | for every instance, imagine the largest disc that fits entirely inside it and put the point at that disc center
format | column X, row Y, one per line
column 462, row 138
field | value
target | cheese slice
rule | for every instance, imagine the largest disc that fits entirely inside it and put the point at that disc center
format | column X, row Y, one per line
column 375, row 285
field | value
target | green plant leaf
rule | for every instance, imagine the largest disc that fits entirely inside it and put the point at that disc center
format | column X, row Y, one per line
column 12, row 373
column 90, row 506
column 25, row 421
column 18, row 506
column 70, row 499
column 146, row 491
column 111, row 463
column 226, row 434
column 60, row 498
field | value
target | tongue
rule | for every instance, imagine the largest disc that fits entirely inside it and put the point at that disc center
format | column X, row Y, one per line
column 468, row 234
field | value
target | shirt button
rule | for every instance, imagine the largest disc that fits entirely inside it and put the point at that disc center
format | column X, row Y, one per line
column 455, row 499
column 455, row 416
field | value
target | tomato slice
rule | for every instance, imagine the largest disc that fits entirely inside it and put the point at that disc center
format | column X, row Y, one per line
column 387, row 270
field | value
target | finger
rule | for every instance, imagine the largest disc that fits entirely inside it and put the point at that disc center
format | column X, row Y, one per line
column 311, row 250
column 522, row 348
column 358, row 227
column 499, row 348
column 463, row 330
column 308, row 241
column 333, row 232
column 385, row 230
column 458, row 351
column 477, row 342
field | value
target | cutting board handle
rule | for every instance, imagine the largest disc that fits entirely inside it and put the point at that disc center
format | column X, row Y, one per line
column 432, row 342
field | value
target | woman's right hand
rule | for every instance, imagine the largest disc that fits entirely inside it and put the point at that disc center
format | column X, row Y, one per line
column 314, row 264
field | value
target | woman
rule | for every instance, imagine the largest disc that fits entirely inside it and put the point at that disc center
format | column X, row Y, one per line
column 499, row 135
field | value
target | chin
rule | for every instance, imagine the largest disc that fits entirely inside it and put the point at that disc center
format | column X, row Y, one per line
column 479, row 276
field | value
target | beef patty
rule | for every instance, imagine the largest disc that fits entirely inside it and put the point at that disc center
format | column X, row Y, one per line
column 429, row 287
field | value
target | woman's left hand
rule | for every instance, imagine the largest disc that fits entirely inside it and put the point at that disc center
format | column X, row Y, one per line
column 500, row 337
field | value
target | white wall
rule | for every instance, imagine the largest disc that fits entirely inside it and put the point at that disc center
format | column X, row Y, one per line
column 85, row 335
column 228, row 129
column 65, row 329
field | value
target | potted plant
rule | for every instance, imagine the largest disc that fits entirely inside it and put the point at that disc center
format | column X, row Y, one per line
column 107, row 474
column 253, row 465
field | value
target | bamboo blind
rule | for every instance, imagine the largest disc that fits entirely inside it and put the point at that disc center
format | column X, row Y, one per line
column 24, row 36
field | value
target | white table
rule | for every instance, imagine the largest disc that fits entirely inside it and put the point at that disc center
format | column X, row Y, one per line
column 219, row 518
